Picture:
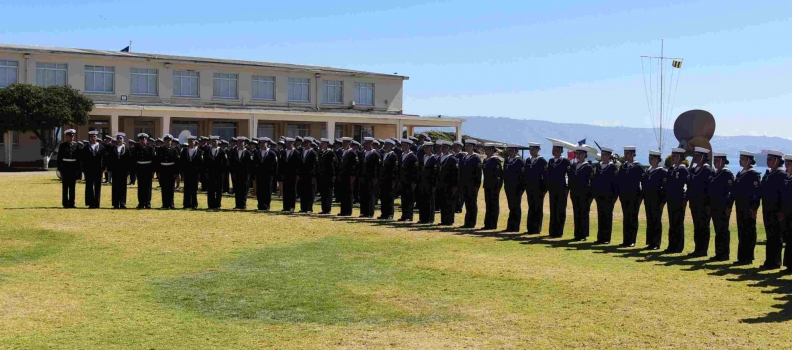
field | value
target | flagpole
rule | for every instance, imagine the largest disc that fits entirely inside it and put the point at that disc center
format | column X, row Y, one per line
column 130, row 46
column 662, row 61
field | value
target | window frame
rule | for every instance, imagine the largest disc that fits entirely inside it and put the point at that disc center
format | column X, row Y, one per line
column 262, row 79
column 56, row 69
column 14, row 138
column 335, row 85
column 189, row 76
column 103, row 72
column 5, row 65
column 360, row 85
column 293, row 82
column 223, row 77
column 147, row 75
column 299, row 128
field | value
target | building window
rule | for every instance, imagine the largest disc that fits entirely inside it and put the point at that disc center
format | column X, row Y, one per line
column 226, row 130
column 14, row 138
column 144, row 126
column 185, row 83
column 293, row 130
column 362, row 131
column 333, row 91
column 299, row 89
column 364, row 94
column 99, row 79
column 188, row 127
column 336, row 134
column 266, row 130
column 143, row 81
column 264, row 88
column 9, row 71
column 49, row 74
column 225, row 85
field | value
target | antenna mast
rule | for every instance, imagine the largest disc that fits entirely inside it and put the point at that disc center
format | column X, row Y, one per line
column 661, row 118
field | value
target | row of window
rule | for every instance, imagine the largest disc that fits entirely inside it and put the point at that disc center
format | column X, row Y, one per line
column 99, row 79
column 227, row 130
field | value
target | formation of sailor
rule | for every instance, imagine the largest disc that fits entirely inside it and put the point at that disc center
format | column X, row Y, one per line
column 443, row 176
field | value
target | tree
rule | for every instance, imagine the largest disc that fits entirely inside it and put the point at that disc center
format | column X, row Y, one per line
column 43, row 111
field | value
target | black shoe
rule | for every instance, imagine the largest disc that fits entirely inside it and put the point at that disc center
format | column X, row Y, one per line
column 770, row 267
column 742, row 263
column 148, row 207
column 630, row 245
column 122, row 207
column 172, row 207
column 697, row 254
column 115, row 207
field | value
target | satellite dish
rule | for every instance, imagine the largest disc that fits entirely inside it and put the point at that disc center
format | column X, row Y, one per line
column 184, row 135
column 693, row 124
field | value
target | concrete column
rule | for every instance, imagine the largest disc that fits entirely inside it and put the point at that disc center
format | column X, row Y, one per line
column 399, row 129
column 166, row 125
column 114, row 124
column 459, row 132
column 331, row 130
column 254, row 126
column 410, row 130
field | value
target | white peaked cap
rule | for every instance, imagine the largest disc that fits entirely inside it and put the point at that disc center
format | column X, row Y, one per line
column 701, row 150
column 678, row 150
column 471, row 142
column 788, row 157
column 629, row 148
column 655, row 153
column 558, row 144
column 747, row 154
column 581, row 149
column 606, row 149
column 718, row 155
column 775, row 153
column 534, row 144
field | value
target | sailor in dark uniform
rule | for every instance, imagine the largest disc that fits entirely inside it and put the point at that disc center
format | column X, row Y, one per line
column 347, row 172
column 168, row 158
column 772, row 188
column 747, row 197
column 580, row 192
column 427, row 185
column 328, row 174
column 388, row 180
column 239, row 164
column 698, row 196
column 108, row 147
column 131, row 169
column 69, row 167
column 292, row 162
column 557, row 170
column 191, row 162
column 458, row 153
column 408, row 177
column 92, row 162
column 513, row 185
column 628, row 184
column 470, row 165
column 603, row 187
column 721, row 202
column 265, row 168
column 119, row 163
column 447, row 183
column 535, row 174
column 370, row 166
column 786, row 214
column 144, row 156
column 654, row 200
column 216, row 164
column 676, row 198
column 493, row 182
column 309, row 169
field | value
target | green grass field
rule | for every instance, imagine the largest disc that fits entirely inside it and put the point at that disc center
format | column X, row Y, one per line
column 104, row 279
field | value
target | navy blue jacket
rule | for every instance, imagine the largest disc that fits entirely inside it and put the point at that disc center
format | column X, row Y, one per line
column 698, row 183
column 628, row 179
column 535, row 174
column 772, row 189
column 470, row 170
column 493, row 172
column 720, row 188
column 747, row 189
column 604, row 182
column 513, row 173
column 654, row 184
column 580, row 179
column 675, row 188
column 557, row 170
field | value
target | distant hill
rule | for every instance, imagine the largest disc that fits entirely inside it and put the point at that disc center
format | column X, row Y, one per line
column 523, row 131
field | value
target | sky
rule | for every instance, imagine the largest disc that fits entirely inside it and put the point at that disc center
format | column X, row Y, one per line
column 563, row 61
